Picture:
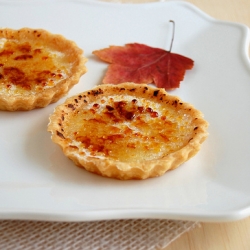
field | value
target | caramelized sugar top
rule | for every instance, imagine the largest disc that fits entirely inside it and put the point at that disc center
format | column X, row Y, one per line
column 27, row 67
column 129, row 130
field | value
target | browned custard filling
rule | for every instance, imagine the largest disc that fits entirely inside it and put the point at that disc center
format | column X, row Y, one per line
column 29, row 67
column 125, row 128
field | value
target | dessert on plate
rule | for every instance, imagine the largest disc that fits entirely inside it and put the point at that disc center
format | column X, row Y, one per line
column 36, row 68
column 127, row 131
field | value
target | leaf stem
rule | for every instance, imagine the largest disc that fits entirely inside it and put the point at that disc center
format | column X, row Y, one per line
column 173, row 33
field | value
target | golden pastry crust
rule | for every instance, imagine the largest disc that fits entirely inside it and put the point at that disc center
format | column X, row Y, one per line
column 36, row 68
column 127, row 131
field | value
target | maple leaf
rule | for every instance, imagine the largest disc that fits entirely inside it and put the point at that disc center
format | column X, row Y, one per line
column 140, row 63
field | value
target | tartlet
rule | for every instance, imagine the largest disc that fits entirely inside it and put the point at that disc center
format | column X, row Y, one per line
column 36, row 68
column 127, row 131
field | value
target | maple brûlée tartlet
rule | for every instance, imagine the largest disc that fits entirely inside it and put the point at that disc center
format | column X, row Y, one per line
column 127, row 131
column 36, row 68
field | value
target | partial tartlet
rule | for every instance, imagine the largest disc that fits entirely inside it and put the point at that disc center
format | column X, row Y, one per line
column 36, row 68
column 127, row 131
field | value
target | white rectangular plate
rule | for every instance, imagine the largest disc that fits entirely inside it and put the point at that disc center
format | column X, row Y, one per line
column 38, row 182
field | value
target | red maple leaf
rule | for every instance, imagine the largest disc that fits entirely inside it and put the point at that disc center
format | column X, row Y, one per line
column 140, row 63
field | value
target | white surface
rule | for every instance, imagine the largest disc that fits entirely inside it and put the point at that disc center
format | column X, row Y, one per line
column 38, row 182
